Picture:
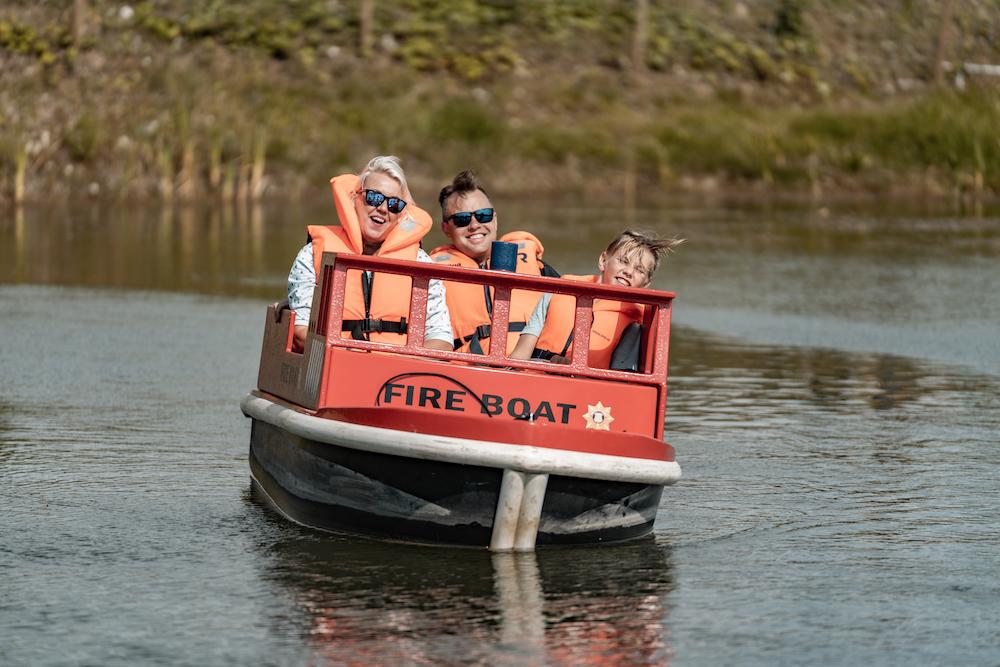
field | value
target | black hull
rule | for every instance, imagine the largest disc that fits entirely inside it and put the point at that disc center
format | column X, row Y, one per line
column 357, row 492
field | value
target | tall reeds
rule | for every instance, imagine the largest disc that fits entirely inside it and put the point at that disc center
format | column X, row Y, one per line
column 20, row 168
column 187, row 185
column 259, row 155
column 165, row 164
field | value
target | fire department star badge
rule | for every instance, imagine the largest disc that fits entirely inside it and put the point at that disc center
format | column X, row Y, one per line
column 598, row 417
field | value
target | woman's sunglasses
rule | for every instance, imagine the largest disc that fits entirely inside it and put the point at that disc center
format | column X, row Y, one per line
column 464, row 219
column 375, row 198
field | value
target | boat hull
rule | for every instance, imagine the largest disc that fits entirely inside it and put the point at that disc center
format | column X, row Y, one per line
column 337, row 487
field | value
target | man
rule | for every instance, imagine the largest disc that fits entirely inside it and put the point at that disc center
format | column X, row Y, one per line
column 629, row 261
column 470, row 222
column 377, row 217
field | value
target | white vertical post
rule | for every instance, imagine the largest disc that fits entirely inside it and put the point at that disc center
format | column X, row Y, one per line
column 531, row 512
column 508, row 510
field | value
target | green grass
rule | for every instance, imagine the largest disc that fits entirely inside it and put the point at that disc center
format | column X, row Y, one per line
column 509, row 86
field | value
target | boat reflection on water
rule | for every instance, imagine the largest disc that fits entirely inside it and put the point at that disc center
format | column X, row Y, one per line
column 602, row 606
column 358, row 602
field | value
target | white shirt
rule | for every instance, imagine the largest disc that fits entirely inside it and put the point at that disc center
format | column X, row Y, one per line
column 536, row 322
column 302, row 282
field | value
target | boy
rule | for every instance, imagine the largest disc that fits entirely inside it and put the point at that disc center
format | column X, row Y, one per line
column 629, row 261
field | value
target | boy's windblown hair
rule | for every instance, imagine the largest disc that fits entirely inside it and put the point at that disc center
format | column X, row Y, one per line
column 631, row 240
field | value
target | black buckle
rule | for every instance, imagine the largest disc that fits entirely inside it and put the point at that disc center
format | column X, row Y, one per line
column 372, row 325
column 481, row 333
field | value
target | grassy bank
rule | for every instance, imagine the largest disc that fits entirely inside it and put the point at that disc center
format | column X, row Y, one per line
column 251, row 99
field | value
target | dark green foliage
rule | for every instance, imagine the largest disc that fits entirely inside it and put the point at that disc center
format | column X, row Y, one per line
column 469, row 39
column 739, row 143
column 956, row 132
column 46, row 46
column 84, row 138
column 948, row 132
column 550, row 145
column 789, row 18
column 278, row 29
column 466, row 121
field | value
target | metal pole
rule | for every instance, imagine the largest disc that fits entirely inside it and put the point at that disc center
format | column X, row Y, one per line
column 508, row 510
column 531, row 512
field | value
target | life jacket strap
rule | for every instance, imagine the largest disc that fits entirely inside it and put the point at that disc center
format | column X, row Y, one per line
column 540, row 353
column 361, row 328
column 482, row 332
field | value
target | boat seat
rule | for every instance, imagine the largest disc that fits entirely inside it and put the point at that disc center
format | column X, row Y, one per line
column 628, row 350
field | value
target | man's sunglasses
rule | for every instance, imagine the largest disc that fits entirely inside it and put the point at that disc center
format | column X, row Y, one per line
column 375, row 198
column 464, row 219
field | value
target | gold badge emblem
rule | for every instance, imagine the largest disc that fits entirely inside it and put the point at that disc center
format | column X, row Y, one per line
column 599, row 417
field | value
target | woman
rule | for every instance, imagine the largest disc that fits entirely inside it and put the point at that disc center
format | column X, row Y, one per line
column 377, row 217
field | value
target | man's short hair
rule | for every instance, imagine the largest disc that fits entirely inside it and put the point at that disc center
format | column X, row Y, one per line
column 631, row 240
column 464, row 182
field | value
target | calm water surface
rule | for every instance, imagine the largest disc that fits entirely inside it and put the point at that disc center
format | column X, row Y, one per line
column 835, row 405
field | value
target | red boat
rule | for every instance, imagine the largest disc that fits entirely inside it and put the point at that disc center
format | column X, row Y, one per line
column 400, row 442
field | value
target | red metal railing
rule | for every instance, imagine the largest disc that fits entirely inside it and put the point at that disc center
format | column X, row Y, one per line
column 656, row 325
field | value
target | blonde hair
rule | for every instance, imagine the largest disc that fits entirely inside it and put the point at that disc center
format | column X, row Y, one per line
column 388, row 165
column 631, row 240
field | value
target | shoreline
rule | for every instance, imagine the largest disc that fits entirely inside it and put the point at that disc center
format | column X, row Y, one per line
column 908, row 198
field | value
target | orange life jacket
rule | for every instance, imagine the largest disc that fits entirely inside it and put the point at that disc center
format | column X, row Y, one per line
column 471, row 305
column 375, row 306
column 610, row 319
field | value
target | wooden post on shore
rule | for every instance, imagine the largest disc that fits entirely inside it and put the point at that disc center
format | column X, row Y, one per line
column 215, row 165
column 20, row 168
column 366, row 21
column 165, row 160
column 944, row 40
column 243, row 183
column 977, row 176
column 79, row 22
column 229, row 178
column 242, row 192
column 186, row 178
column 19, row 242
column 815, row 186
column 257, row 168
column 640, row 35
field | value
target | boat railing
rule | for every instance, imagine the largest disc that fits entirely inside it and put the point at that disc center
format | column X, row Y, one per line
column 296, row 376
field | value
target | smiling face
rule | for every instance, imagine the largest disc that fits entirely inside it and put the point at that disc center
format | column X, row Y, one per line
column 476, row 240
column 627, row 268
column 377, row 221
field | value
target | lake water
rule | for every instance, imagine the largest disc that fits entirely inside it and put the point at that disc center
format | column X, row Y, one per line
column 834, row 402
